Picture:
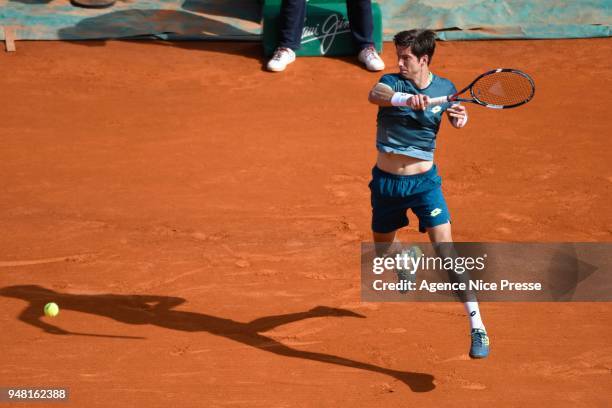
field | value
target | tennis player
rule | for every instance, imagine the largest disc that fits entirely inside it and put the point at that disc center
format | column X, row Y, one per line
column 405, row 176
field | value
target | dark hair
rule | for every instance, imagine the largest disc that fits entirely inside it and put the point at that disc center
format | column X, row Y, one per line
column 421, row 42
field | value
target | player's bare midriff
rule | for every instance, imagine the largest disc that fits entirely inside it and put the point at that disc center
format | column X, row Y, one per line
column 401, row 164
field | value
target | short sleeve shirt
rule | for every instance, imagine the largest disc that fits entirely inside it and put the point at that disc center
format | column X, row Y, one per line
column 401, row 130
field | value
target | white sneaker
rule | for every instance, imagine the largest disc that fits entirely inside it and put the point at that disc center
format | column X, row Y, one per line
column 281, row 58
column 371, row 59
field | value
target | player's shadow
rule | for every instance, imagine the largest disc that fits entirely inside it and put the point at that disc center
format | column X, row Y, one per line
column 158, row 310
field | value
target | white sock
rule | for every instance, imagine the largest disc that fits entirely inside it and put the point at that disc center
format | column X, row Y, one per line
column 471, row 308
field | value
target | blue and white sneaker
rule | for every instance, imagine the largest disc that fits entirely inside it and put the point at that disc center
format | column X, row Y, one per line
column 408, row 275
column 480, row 344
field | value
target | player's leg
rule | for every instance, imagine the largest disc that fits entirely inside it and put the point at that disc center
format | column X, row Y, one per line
column 441, row 238
column 388, row 211
column 434, row 218
column 388, row 215
column 383, row 241
column 390, row 201
column 440, row 233
column 388, row 245
column 384, row 236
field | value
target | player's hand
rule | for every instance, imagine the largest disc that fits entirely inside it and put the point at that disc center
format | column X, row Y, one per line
column 418, row 102
column 458, row 115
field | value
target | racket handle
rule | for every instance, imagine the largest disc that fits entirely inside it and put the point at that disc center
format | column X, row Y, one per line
column 438, row 101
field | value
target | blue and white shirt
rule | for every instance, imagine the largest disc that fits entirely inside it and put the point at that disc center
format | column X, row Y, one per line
column 401, row 130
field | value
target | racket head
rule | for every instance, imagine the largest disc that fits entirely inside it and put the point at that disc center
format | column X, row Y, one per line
column 502, row 88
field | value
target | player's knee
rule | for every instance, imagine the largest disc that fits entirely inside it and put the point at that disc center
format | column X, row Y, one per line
column 383, row 242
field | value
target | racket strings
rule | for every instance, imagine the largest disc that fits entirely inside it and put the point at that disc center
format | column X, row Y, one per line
column 503, row 88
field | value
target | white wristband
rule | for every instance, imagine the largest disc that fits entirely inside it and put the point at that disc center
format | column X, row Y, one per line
column 400, row 99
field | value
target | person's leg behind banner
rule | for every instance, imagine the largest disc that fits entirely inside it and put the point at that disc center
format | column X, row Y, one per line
column 362, row 29
column 291, row 18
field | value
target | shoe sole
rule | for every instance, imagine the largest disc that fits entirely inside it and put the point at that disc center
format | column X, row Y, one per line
column 280, row 70
column 375, row 70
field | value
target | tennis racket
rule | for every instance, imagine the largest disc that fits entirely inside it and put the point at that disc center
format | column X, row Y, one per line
column 500, row 88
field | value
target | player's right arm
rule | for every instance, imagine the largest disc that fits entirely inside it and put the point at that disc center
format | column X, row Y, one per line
column 383, row 95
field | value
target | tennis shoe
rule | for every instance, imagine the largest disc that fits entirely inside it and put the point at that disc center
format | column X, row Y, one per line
column 480, row 344
column 282, row 57
column 371, row 59
column 408, row 275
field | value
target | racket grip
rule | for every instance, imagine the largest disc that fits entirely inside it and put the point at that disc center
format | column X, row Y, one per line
column 438, row 101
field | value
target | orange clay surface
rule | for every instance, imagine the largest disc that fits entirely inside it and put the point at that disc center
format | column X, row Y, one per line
column 199, row 220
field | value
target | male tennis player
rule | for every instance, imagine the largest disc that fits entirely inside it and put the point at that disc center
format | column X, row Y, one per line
column 405, row 176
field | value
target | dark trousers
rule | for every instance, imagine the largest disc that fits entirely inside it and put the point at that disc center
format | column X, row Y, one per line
column 293, row 14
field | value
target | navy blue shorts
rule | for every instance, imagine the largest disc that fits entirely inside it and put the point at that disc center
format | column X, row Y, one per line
column 392, row 195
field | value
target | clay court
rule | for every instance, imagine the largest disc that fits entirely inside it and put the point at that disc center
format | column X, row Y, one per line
column 199, row 221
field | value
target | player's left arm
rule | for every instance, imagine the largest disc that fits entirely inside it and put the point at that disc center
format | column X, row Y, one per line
column 457, row 115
